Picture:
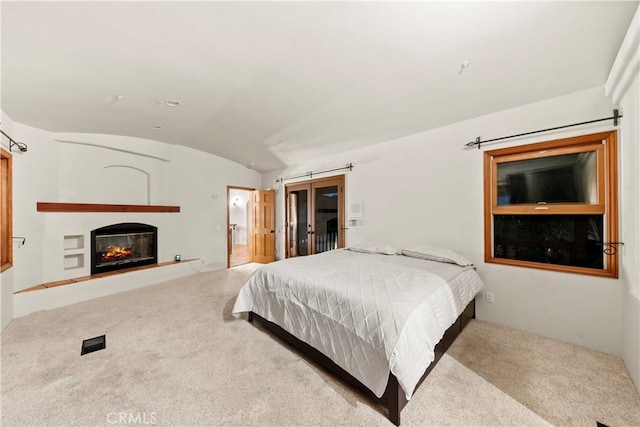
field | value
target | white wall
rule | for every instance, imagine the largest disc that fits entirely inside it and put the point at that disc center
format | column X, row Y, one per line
column 425, row 189
column 624, row 86
column 6, row 298
column 55, row 171
column 630, row 230
column 204, row 180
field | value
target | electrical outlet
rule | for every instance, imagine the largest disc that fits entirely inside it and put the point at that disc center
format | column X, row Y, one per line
column 491, row 298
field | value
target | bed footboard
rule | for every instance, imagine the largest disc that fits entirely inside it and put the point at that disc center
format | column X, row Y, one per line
column 394, row 398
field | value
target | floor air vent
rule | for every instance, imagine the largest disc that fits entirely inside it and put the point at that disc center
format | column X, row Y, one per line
column 93, row 344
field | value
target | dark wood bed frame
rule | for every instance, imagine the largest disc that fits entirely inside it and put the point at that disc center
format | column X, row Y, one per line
column 394, row 398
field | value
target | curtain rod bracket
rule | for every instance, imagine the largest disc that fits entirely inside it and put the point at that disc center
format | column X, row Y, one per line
column 22, row 147
column 610, row 248
column 22, row 240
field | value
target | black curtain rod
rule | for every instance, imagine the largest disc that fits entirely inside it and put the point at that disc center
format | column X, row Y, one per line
column 478, row 142
column 348, row 166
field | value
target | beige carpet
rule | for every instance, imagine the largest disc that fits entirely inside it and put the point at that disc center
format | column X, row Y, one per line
column 175, row 356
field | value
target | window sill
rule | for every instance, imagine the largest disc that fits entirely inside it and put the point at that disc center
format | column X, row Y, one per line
column 554, row 267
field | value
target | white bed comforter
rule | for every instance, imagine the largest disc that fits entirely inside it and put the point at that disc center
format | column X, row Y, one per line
column 369, row 313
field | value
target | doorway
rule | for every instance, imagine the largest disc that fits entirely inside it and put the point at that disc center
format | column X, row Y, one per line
column 315, row 216
column 239, row 225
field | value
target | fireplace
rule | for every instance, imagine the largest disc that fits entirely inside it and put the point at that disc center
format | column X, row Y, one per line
column 121, row 246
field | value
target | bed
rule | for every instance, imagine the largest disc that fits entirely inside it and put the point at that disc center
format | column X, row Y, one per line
column 377, row 319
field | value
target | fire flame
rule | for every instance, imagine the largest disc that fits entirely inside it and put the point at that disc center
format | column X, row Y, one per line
column 116, row 253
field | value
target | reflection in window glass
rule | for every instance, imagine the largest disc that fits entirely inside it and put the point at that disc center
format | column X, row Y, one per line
column 568, row 178
column 298, row 226
column 326, row 215
column 573, row 240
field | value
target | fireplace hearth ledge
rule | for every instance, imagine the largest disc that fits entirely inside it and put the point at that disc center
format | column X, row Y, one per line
column 95, row 276
column 47, row 298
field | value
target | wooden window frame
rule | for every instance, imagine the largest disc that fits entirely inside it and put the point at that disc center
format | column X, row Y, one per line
column 6, row 207
column 605, row 145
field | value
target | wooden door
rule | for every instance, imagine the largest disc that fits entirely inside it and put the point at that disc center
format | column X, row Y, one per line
column 263, row 230
column 327, row 222
column 298, row 220
column 314, row 216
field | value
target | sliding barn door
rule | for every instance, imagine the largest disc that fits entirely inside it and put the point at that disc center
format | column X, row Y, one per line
column 263, row 230
column 315, row 216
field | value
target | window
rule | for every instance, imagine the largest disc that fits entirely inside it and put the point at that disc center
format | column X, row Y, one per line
column 6, row 246
column 553, row 205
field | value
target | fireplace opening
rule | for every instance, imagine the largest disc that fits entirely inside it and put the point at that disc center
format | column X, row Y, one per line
column 121, row 246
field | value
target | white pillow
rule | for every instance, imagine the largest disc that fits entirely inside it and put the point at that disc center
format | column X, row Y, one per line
column 374, row 248
column 436, row 254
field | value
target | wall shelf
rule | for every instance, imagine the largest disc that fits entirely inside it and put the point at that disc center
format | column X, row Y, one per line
column 74, row 251
column 97, row 207
column 72, row 242
column 73, row 261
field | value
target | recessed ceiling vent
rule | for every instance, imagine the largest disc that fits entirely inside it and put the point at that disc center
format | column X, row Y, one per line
column 93, row 344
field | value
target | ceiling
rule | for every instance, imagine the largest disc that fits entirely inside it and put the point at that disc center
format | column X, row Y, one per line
column 272, row 84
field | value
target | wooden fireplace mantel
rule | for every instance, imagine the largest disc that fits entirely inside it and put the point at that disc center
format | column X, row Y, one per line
column 97, row 207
